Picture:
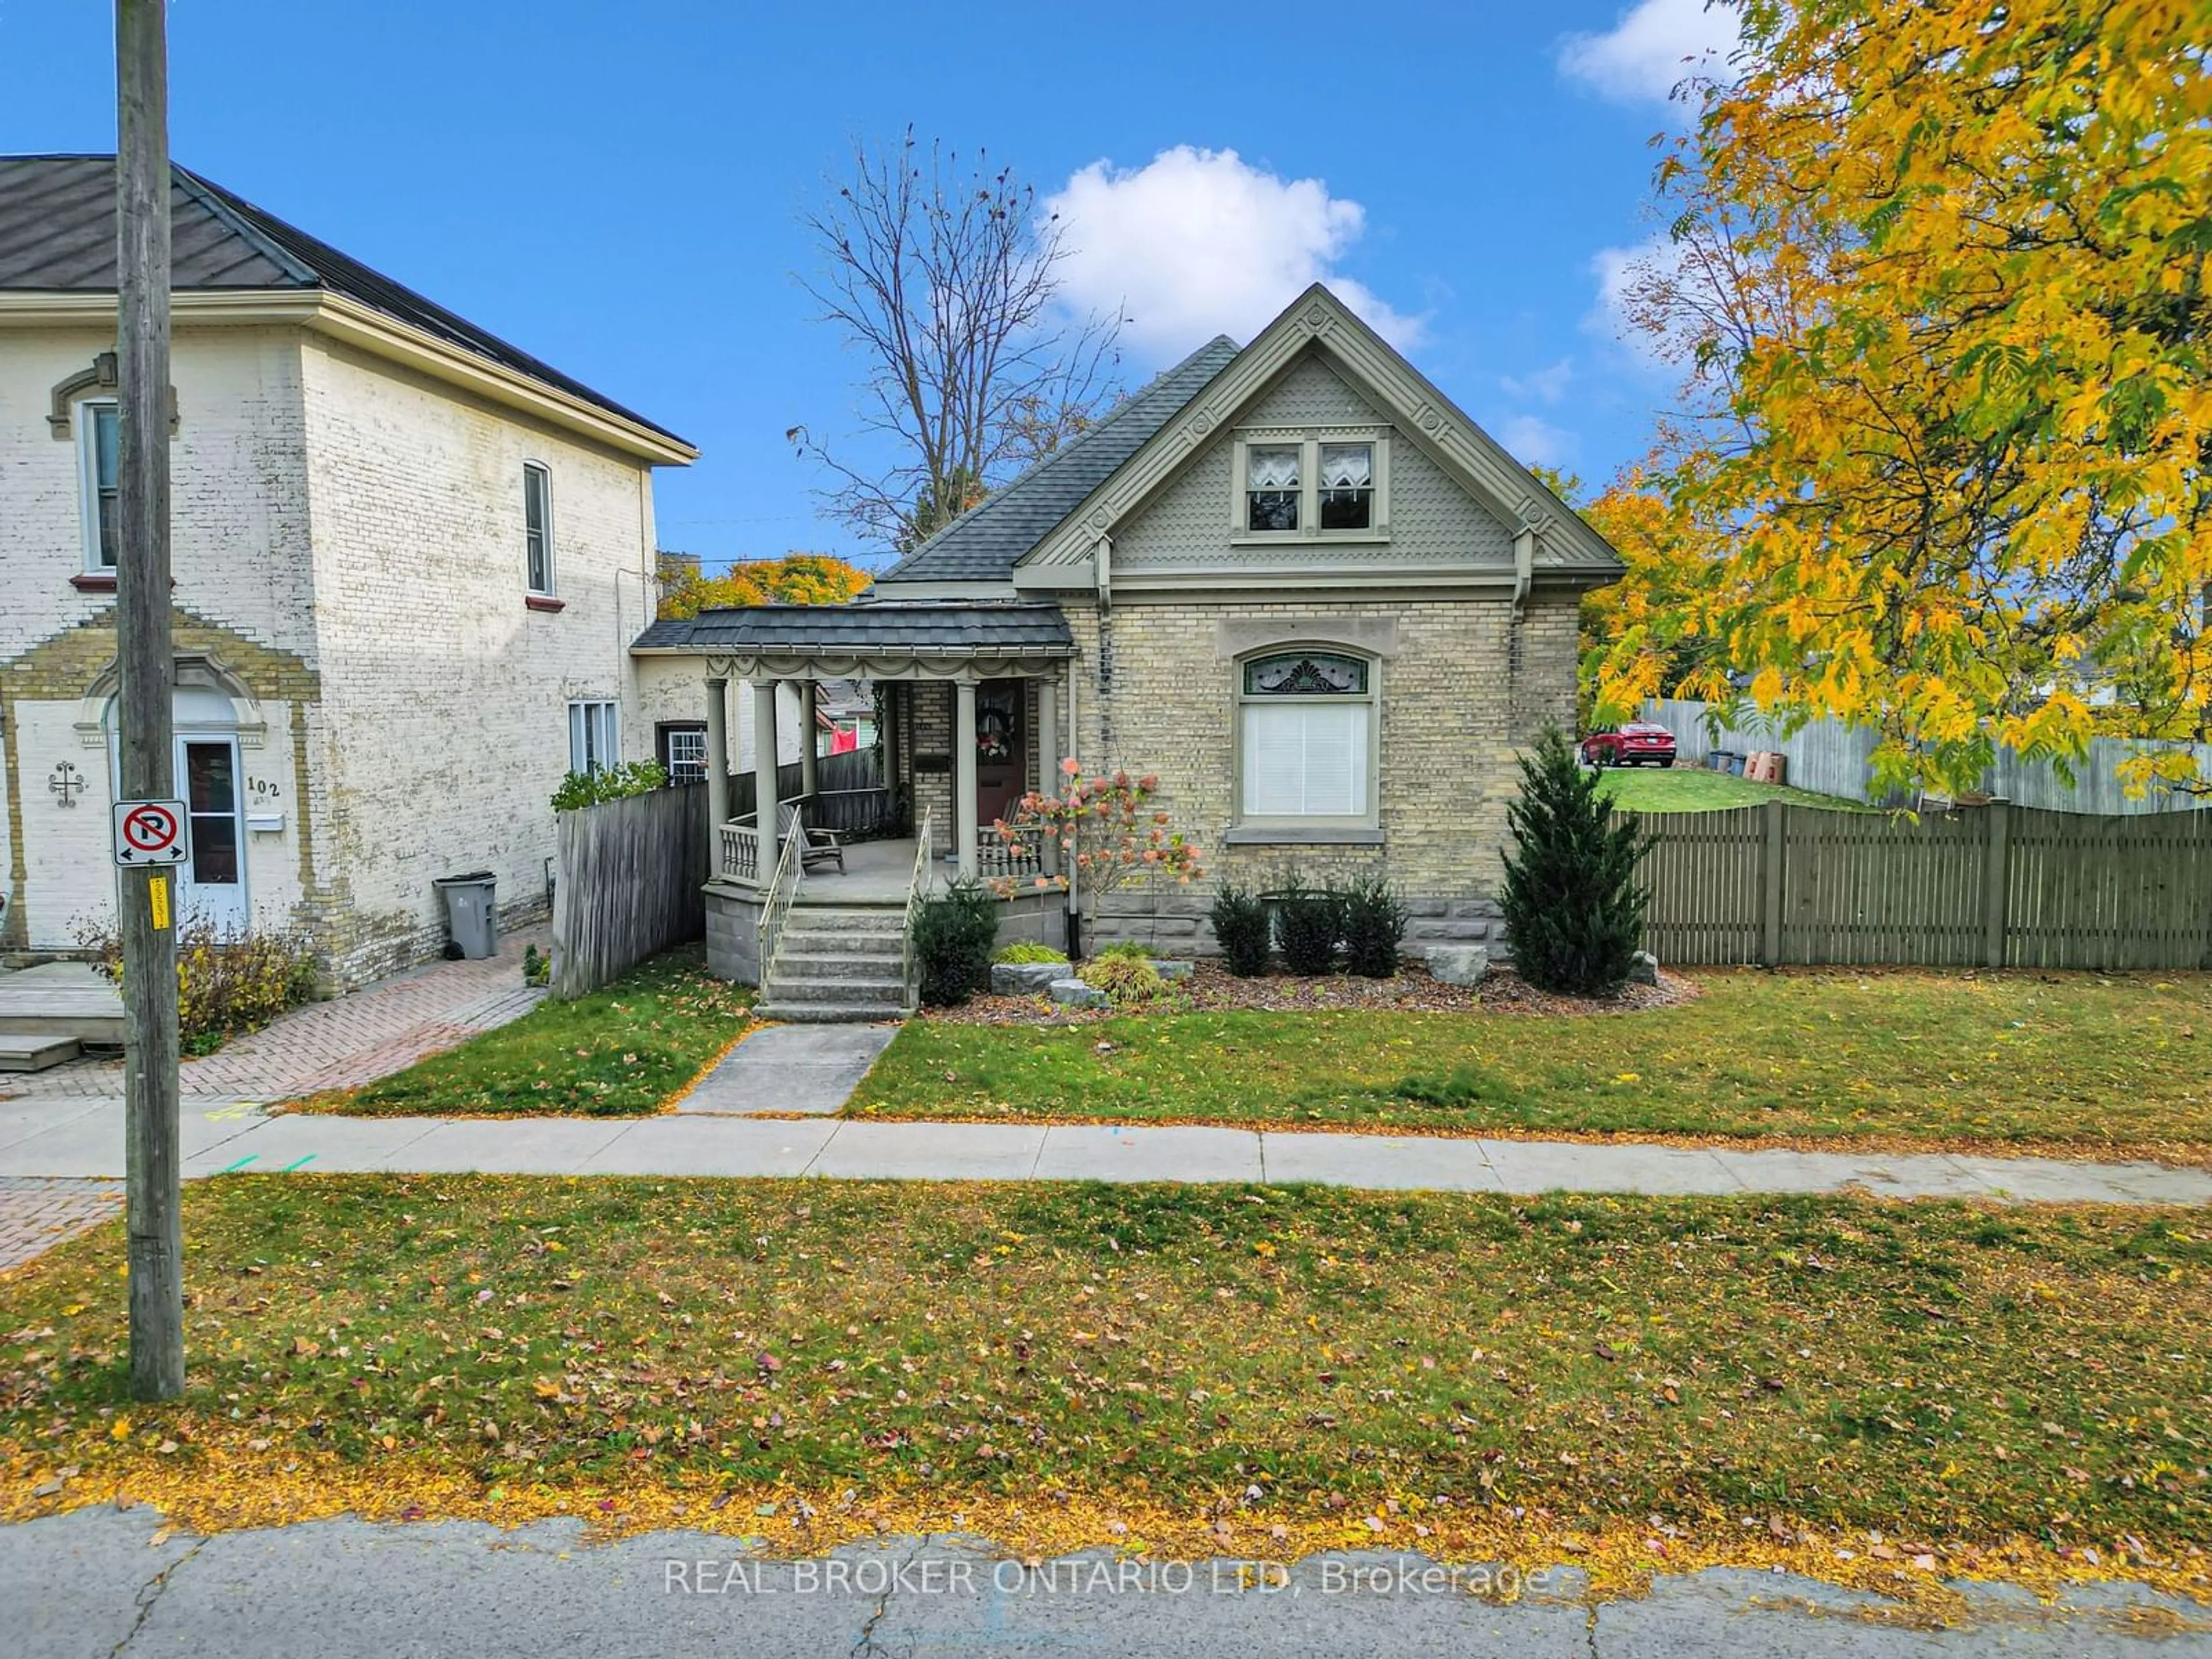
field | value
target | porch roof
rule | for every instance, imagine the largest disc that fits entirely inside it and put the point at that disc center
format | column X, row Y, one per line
column 867, row 628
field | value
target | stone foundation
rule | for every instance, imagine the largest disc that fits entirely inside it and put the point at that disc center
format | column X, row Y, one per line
column 1034, row 919
column 1177, row 922
column 734, row 919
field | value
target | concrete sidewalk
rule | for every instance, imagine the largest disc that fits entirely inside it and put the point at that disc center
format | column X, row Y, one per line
column 98, row 1583
column 50, row 1140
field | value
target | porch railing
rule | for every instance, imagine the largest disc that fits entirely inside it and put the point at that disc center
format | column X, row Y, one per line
column 1017, row 855
column 738, row 851
column 917, row 888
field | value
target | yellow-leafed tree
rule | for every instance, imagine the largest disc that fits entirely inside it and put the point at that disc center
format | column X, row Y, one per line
column 795, row 579
column 1939, row 284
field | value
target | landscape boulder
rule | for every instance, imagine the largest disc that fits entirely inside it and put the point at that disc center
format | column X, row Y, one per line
column 1074, row 993
column 1025, row 979
column 1171, row 971
column 1643, row 969
column 1459, row 964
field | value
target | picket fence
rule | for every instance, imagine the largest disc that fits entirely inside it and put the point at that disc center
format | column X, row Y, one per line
column 1996, row 886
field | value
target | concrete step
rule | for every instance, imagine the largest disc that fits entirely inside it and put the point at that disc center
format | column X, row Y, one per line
column 830, row 1013
column 847, row 924
column 784, row 988
column 838, row 964
column 63, row 998
column 33, row 1051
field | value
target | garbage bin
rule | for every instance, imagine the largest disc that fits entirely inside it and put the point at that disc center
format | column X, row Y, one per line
column 472, row 917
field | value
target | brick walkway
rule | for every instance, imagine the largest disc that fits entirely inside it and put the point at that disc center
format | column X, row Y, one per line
column 37, row 1212
column 339, row 1044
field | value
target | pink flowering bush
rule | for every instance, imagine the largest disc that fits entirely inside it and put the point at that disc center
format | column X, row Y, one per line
column 1106, row 828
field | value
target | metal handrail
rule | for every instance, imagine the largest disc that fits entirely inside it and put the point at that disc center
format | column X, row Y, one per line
column 775, row 906
column 917, row 887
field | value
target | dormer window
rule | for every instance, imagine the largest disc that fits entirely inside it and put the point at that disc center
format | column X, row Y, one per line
column 1312, row 484
column 1347, row 486
column 1271, row 486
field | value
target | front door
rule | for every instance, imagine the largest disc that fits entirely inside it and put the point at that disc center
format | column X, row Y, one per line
column 1001, row 757
column 214, row 883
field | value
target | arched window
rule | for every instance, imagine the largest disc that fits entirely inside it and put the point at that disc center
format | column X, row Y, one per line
column 1306, row 737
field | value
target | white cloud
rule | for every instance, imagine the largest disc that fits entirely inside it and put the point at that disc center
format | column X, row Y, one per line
column 1198, row 242
column 1653, row 46
column 1615, row 269
column 1533, row 441
column 1542, row 385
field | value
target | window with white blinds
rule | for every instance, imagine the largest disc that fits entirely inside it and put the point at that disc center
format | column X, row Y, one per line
column 1305, row 739
column 1305, row 760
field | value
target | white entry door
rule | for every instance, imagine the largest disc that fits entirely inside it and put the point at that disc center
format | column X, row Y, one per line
column 213, row 887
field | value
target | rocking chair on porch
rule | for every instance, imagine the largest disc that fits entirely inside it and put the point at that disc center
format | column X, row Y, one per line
column 815, row 846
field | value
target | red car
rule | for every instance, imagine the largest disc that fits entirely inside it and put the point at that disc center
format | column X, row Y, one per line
column 1637, row 744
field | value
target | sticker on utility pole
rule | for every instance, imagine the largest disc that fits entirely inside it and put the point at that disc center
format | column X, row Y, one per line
column 149, row 832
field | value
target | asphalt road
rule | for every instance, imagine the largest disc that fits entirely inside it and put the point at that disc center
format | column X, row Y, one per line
column 93, row 1584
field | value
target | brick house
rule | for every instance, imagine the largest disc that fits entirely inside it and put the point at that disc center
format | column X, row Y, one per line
column 408, row 556
column 1292, row 579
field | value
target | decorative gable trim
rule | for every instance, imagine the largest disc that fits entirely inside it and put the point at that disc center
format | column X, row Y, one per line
column 1421, row 413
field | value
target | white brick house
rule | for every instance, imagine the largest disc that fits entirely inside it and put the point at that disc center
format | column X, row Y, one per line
column 409, row 559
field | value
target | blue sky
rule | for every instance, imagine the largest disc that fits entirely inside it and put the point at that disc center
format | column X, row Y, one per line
column 615, row 187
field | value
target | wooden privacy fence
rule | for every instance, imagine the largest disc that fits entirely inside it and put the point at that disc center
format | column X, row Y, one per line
column 1996, row 886
column 628, row 881
column 849, row 793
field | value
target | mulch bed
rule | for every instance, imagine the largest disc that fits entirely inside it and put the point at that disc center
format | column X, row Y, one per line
column 1211, row 986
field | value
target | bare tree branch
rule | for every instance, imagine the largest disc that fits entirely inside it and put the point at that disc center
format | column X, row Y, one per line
column 941, row 276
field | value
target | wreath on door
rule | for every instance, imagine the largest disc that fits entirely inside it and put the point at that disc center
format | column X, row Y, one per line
column 995, row 736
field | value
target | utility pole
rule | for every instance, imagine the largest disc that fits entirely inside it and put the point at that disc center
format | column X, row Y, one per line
column 143, row 895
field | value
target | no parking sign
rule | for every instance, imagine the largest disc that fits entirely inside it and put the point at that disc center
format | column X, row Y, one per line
column 149, row 832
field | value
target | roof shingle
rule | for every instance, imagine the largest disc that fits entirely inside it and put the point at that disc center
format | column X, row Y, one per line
column 931, row 627
column 57, row 234
column 983, row 544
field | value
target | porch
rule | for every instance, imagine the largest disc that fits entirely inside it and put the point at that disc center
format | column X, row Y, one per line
column 971, row 720
column 879, row 871
column 969, row 702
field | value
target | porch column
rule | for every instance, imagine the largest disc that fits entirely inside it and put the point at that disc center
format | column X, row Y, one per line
column 765, row 773
column 887, row 735
column 964, row 773
column 809, row 740
column 718, row 764
column 1047, row 747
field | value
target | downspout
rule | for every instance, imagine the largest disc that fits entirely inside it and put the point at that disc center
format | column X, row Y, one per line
column 1524, row 579
column 1102, row 568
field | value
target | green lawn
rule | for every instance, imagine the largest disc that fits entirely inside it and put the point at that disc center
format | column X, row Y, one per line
column 2071, row 1060
column 617, row 1053
column 1686, row 788
column 413, row 1345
